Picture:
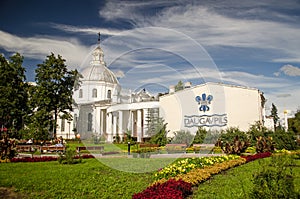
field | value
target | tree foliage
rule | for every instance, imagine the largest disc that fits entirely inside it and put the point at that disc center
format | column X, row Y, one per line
column 274, row 114
column 160, row 137
column 183, row 137
column 200, row 135
column 294, row 123
column 54, row 89
column 284, row 140
column 179, row 86
column 13, row 93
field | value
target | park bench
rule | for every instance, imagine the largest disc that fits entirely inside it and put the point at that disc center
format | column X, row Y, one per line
column 90, row 148
column 175, row 148
column 51, row 149
column 203, row 148
column 25, row 148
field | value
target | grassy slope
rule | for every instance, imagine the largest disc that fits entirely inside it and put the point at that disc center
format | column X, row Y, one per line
column 236, row 182
column 90, row 179
column 93, row 179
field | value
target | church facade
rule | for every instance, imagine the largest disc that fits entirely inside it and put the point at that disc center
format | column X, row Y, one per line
column 102, row 109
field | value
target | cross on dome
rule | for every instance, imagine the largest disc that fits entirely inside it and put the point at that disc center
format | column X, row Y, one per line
column 98, row 55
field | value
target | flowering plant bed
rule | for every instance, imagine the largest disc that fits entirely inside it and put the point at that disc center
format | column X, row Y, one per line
column 250, row 158
column 185, row 165
column 170, row 189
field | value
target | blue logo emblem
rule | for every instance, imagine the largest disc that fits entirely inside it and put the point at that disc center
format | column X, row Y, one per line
column 204, row 101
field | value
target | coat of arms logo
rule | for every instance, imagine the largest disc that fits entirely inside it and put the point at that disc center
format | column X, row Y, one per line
column 204, row 101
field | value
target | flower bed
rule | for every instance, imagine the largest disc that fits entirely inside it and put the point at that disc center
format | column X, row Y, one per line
column 250, row 158
column 185, row 165
column 46, row 158
column 170, row 189
column 192, row 171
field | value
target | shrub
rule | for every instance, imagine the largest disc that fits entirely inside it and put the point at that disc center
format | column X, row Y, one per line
column 250, row 149
column 274, row 180
column 264, row 144
column 285, row 140
column 236, row 147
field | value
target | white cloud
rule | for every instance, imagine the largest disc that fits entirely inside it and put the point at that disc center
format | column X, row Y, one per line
column 119, row 73
column 85, row 30
column 245, row 24
column 290, row 70
column 39, row 47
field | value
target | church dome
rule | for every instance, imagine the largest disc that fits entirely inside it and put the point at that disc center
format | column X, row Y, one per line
column 97, row 71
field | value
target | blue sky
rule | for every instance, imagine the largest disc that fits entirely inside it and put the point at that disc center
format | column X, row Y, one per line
column 155, row 44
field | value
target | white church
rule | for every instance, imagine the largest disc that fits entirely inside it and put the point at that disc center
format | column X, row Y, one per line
column 101, row 109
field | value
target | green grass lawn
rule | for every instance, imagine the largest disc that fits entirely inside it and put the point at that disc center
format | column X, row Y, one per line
column 237, row 182
column 90, row 179
column 93, row 179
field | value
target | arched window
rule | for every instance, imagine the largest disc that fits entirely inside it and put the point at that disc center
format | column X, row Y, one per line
column 80, row 93
column 109, row 94
column 94, row 95
column 90, row 122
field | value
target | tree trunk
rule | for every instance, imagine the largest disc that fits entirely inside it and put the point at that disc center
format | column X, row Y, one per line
column 55, row 122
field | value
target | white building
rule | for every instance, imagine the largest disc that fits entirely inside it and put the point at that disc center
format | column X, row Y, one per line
column 212, row 105
column 103, row 109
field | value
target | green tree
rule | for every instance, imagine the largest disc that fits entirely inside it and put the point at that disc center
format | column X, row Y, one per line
column 230, row 134
column 183, row 137
column 179, row 86
column 294, row 123
column 200, row 135
column 13, row 93
column 274, row 114
column 54, row 89
column 284, row 140
column 257, row 130
column 160, row 137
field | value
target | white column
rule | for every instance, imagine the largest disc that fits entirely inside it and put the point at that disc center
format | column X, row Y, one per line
column 139, row 125
column 114, row 130
column 145, row 112
column 101, row 122
column 108, row 127
column 97, row 120
column 132, row 123
column 120, row 123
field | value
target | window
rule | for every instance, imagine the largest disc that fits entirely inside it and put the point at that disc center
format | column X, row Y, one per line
column 94, row 95
column 109, row 94
column 90, row 121
column 75, row 121
column 62, row 126
column 80, row 93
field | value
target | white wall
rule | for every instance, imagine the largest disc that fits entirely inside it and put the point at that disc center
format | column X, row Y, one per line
column 239, row 105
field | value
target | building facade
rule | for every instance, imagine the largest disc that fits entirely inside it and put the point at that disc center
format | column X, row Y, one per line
column 103, row 109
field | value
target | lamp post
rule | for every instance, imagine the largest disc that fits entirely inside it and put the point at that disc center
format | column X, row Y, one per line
column 128, row 148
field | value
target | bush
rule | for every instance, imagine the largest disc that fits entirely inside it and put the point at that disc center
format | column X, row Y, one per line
column 69, row 157
column 183, row 137
column 284, row 140
column 274, row 180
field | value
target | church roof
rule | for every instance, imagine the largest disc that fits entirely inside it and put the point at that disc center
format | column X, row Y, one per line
column 97, row 71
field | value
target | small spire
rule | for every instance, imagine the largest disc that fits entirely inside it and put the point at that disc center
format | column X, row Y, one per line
column 98, row 38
